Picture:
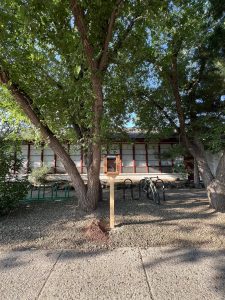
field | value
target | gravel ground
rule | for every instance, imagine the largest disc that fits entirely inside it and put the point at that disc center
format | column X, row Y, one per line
column 184, row 220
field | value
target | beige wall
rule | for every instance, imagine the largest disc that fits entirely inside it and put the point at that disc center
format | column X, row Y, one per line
column 136, row 158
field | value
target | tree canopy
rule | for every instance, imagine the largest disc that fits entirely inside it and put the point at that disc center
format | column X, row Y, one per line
column 190, row 32
column 78, row 69
column 41, row 49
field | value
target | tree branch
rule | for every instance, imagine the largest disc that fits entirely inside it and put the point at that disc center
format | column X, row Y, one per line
column 104, row 57
column 166, row 115
column 123, row 37
column 173, row 78
column 193, row 85
column 80, row 23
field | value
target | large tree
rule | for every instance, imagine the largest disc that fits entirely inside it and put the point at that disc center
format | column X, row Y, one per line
column 61, row 63
column 185, row 63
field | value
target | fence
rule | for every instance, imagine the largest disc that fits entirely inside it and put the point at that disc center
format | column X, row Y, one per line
column 53, row 192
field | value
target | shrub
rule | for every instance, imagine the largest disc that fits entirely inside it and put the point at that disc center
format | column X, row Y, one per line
column 12, row 190
column 38, row 175
column 10, row 195
column 180, row 168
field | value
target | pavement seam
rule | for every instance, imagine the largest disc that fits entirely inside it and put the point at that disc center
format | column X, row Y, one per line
column 53, row 267
column 146, row 276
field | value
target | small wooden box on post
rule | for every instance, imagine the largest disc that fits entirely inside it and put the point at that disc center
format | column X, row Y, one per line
column 112, row 169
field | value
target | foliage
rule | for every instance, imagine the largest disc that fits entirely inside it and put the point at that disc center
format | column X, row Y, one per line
column 192, row 32
column 180, row 169
column 38, row 175
column 49, row 63
column 12, row 189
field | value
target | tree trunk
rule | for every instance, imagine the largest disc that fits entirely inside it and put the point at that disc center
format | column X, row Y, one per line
column 216, row 190
column 97, row 69
column 216, row 195
column 93, row 174
column 215, row 186
column 196, row 149
column 196, row 175
column 204, row 168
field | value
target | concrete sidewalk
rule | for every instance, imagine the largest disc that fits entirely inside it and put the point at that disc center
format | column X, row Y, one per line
column 125, row 273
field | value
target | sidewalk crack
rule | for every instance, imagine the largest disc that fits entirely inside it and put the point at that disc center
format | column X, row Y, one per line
column 51, row 270
column 146, row 276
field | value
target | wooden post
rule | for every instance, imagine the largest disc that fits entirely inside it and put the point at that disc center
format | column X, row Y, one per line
column 111, row 169
column 112, row 201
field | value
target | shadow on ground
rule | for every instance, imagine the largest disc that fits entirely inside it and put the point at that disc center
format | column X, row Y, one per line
column 205, row 266
column 184, row 219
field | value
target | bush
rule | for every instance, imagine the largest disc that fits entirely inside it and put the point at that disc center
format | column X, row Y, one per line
column 10, row 195
column 180, row 168
column 38, row 175
column 12, row 190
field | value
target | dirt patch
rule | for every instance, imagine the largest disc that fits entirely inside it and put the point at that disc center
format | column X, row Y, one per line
column 97, row 231
column 183, row 220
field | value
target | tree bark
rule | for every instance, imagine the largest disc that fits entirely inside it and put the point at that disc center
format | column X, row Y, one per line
column 216, row 195
column 92, row 161
column 196, row 175
column 216, row 189
column 215, row 185
column 197, row 150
